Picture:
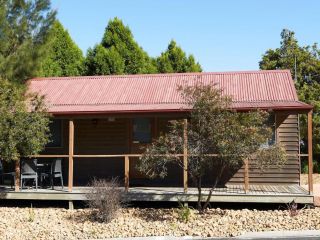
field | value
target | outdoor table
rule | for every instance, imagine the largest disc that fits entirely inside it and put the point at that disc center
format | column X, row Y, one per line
column 43, row 167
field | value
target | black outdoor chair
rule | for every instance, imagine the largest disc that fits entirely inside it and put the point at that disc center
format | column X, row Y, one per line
column 11, row 175
column 55, row 172
column 29, row 171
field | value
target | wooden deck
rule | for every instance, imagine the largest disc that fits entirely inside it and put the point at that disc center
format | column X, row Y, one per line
column 232, row 193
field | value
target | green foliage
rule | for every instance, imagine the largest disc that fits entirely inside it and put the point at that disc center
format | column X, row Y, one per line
column 307, row 61
column 289, row 53
column 102, row 61
column 118, row 53
column 24, row 28
column 174, row 59
column 23, row 130
column 64, row 57
column 213, row 128
column 184, row 213
column 304, row 166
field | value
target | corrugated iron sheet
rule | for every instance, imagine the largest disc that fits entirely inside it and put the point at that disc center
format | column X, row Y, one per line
column 158, row 92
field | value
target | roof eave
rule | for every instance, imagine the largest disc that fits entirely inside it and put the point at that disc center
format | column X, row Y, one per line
column 306, row 107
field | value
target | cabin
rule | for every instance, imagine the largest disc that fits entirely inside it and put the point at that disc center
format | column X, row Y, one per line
column 101, row 124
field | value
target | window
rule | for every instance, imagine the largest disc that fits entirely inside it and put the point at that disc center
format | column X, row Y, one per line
column 142, row 130
column 56, row 133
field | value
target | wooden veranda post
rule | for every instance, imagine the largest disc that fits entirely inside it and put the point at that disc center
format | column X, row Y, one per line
column 71, row 153
column 126, row 172
column 185, row 155
column 246, row 175
column 310, row 163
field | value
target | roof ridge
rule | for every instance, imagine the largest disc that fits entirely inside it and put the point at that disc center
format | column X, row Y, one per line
column 162, row 75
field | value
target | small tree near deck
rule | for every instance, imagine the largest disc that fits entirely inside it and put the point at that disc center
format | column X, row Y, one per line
column 219, row 139
column 23, row 127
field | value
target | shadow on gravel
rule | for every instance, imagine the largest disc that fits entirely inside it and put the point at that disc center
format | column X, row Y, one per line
column 157, row 205
column 234, row 206
column 164, row 215
column 81, row 216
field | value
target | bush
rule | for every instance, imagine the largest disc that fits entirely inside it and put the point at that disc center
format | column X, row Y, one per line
column 184, row 213
column 105, row 199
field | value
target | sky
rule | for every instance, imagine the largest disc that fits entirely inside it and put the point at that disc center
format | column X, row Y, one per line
column 225, row 35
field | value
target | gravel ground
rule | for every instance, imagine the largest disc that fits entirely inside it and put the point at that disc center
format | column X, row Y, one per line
column 57, row 223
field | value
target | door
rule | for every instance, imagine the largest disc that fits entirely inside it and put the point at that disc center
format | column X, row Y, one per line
column 142, row 134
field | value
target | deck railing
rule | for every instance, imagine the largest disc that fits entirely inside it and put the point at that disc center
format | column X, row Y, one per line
column 126, row 158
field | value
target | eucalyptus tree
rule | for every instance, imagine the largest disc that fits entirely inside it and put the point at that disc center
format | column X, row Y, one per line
column 304, row 64
column 24, row 124
column 219, row 140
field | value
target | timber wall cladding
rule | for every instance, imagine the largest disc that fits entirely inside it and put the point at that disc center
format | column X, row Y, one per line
column 287, row 133
column 99, row 137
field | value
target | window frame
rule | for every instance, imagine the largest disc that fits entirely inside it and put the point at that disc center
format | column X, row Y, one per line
column 270, row 142
column 61, row 135
column 138, row 141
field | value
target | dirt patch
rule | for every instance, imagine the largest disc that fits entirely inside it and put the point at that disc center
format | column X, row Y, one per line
column 316, row 186
column 304, row 178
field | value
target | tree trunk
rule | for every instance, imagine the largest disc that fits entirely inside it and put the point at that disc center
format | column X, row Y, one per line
column 17, row 171
column 206, row 204
column 213, row 187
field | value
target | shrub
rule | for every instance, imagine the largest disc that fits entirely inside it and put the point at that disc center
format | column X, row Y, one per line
column 184, row 213
column 292, row 208
column 105, row 198
column 31, row 215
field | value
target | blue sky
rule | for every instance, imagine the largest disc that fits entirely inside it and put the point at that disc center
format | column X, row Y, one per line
column 225, row 35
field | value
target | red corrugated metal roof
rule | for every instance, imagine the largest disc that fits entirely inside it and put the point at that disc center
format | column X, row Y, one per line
column 158, row 92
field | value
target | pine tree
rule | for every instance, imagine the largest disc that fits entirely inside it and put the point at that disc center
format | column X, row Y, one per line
column 24, row 28
column 64, row 57
column 174, row 59
column 118, row 53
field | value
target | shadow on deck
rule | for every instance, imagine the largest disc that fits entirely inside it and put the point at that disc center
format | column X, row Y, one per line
column 231, row 193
